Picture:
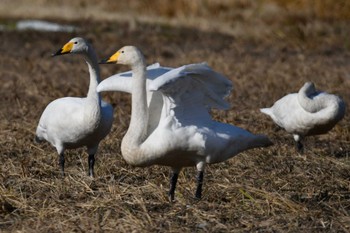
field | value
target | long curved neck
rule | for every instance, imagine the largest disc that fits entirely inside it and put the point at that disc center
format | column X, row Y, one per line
column 94, row 72
column 92, row 106
column 137, row 131
column 325, row 107
column 306, row 101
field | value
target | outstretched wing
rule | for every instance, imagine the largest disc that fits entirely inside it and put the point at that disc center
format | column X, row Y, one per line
column 195, row 77
column 190, row 91
column 122, row 81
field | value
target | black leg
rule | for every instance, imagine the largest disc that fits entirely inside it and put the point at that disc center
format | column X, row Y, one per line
column 300, row 147
column 61, row 162
column 200, row 177
column 173, row 181
column 91, row 161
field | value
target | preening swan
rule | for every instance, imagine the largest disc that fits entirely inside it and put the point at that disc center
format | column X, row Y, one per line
column 308, row 112
column 172, row 127
column 73, row 122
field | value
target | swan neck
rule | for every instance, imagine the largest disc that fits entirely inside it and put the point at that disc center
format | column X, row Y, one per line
column 307, row 101
column 139, row 110
column 137, row 131
column 94, row 71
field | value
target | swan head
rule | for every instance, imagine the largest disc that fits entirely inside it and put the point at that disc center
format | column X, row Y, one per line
column 75, row 45
column 128, row 55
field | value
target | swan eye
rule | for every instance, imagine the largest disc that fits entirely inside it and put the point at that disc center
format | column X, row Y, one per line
column 76, row 42
column 123, row 51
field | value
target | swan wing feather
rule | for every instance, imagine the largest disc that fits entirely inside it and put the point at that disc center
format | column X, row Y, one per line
column 61, row 120
column 122, row 81
column 189, row 92
column 195, row 78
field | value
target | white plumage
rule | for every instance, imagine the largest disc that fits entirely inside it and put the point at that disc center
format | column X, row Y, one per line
column 308, row 112
column 170, row 124
column 73, row 122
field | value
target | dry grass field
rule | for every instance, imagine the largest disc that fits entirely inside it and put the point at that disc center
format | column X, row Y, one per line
column 268, row 48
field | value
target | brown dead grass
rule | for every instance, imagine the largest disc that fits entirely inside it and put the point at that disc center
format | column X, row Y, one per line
column 264, row 190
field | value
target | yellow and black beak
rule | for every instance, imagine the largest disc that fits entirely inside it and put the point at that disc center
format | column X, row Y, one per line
column 111, row 59
column 67, row 48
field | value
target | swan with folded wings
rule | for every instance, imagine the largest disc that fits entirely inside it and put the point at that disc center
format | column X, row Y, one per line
column 308, row 112
column 73, row 122
column 170, row 124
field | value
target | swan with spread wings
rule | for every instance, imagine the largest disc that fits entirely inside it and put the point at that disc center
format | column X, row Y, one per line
column 170, row 123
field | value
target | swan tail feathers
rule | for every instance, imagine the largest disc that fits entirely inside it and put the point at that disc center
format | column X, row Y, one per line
column 266, row 111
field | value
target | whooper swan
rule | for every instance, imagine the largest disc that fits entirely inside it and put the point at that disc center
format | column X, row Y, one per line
column 308, row 112
column 182, row 133
column 73, row 122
